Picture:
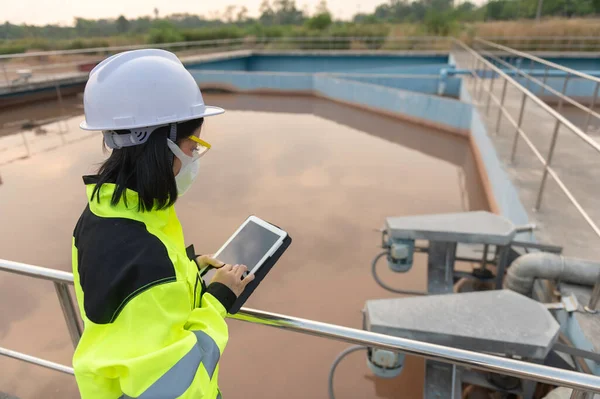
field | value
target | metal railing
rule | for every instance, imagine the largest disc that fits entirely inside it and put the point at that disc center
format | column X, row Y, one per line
column 485, row 74
column 579, row 382
column 549, row 43
column 534, row 62
column 319, row 42
column 73, row 61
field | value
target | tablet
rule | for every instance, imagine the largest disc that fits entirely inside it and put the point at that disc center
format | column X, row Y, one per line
column 252, row 244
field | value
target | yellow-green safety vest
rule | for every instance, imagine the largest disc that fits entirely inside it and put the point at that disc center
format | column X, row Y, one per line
column 151, row 328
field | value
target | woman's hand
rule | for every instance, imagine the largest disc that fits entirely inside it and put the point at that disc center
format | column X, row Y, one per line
column 231, row 276
column 209, row 260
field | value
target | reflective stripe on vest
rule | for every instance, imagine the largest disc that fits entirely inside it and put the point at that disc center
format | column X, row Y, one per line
column 179, row 378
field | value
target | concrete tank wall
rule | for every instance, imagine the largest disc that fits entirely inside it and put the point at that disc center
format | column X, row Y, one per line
column 502, row 194
column 436, row 111
column 440, row 112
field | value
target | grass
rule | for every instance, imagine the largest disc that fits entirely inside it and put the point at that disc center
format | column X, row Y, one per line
column 555, row 27
column 545, row 28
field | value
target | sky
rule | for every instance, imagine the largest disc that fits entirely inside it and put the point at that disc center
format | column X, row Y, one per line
column 42, row 12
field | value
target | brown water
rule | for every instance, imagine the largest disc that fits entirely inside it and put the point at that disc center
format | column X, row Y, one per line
column 328, row 174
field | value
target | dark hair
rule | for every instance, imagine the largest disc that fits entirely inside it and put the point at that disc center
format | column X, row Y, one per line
column 146, row 168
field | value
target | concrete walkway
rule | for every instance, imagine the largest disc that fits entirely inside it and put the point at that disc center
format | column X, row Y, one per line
column 575, row 162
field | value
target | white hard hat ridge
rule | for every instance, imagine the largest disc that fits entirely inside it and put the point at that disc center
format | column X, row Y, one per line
column 142, row 89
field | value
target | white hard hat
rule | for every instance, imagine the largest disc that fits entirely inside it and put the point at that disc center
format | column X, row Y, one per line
column 141, row 90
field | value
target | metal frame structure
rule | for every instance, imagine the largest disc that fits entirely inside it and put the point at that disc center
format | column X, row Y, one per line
column 482, row 70
column 579, row 382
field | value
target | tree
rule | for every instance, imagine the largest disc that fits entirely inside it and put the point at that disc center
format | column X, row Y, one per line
column 122, row 24
column 228, row 13
column 267, row 15
column 322, row 7
column 322, row 19
column 83, row 26
column 319, row 22
column 286, row 13
column 155, row 13
column 242, row 15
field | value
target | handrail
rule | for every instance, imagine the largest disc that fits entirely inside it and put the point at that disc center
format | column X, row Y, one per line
column 539, row 60
column 475, row 360
column 37, row 361
column 563, row 120
column 224, row 41
column 544, row 85
column 445, row 354
column 36, row 271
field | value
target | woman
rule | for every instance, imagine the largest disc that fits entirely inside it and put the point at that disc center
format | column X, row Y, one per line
column 151, row 327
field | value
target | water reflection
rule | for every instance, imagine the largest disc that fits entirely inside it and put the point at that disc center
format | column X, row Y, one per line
column 39, row 127
column 425, row 140
column 328, row 174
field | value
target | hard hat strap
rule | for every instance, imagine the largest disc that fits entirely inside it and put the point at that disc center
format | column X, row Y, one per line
column 173, row 132
column 173, row 138
column 136, row 137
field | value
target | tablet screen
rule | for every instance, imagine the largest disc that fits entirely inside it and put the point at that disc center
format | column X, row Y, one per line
column 249, row 246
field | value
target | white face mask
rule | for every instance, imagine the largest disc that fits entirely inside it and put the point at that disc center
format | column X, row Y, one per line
column 189, row 168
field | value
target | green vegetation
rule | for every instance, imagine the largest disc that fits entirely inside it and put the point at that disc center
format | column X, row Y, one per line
column 282, row 18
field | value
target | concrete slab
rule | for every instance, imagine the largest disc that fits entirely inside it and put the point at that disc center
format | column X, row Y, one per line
column 465, row 227
column 490, row 321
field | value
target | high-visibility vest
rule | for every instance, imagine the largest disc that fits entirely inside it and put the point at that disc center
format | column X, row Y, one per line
column 151, row 328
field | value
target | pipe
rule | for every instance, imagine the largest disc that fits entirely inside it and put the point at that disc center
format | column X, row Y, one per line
column 540, row 265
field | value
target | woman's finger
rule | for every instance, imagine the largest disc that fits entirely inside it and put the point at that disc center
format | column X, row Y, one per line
column 226, row 267
column 214, row 262
column 210, row 260
column 248, row 279
column 241, row 269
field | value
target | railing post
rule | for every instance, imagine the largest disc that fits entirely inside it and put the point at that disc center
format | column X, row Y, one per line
column 538, row 202
column 5, row 75
column 477, row 78
column 498, row 120
column 589, row 115
column 483, row 74
column 564, row 90
column 592, row 306
column 489, row 99
column 68, row 308
column 516, row 139
column 545, row 80
column 62, row 110
column 530, row 75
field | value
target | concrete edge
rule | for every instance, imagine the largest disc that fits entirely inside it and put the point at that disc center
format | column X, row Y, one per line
column 483, row 177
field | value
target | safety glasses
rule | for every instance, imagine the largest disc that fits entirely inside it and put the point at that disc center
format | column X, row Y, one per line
column 202, row 147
